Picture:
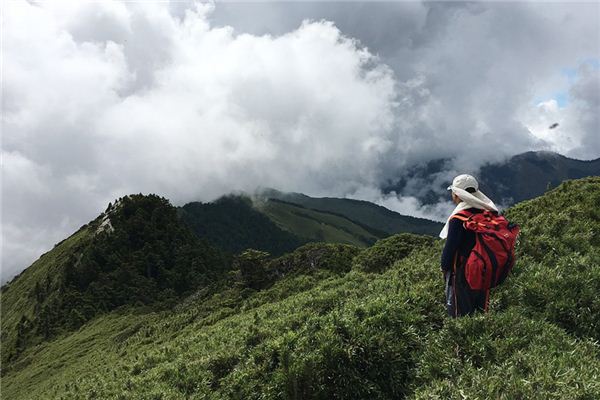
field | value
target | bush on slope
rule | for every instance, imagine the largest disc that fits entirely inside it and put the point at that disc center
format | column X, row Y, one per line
column 506, row 356
column 352, row 335
column 557, row 277
column 347, row 337
column 382, row 254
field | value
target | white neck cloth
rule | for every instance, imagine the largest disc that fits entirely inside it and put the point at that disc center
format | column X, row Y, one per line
column 469, row 200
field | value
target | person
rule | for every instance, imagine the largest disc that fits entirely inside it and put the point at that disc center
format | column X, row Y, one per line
column 460, row 298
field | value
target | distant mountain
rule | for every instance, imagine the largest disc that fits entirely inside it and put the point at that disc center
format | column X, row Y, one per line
column 519, row 178
column 531, row 174
column 234, row 224
column 279, row 222
column 379, row 220
column 237, row 222
column 318, row 226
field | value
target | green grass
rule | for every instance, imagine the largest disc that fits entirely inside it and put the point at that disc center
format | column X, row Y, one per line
column 175, row 348
column 339, row 333
column 364, row 213
column 316, row 225
column 18, row 297
column 54, row 367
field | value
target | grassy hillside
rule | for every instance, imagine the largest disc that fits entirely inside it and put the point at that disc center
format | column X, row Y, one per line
column 20, row 299
column 317, row 225
column 367, row 214
column 136, row 253
column 233, row 224
column 334, row 321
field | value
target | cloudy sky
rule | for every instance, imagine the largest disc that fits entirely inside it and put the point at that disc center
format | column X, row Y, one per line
column 193, row 100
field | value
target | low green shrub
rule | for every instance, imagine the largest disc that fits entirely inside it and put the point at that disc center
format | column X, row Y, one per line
column 334, row 257
column 557, row 274
column 323, row 331
column 250, row 268
column 564, row 293
column 385, row 252
column 506, row 356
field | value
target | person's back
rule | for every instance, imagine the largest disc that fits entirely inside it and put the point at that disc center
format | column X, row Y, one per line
column 460, row 298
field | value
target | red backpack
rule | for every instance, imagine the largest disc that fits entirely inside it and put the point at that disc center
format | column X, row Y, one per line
column 493, row 255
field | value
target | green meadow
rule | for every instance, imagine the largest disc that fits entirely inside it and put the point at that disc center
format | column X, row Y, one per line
column 327, row 321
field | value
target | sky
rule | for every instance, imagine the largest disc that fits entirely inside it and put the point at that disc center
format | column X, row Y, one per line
column 193, row 100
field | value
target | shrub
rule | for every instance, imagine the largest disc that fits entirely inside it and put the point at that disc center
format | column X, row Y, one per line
column 251, row 267
column 334, row 257
column 557, row 274
column 564, row 293
column 385, row 252
column 506, row 356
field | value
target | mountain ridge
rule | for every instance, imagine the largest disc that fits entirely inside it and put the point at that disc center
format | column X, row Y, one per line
column 340, row 321
column 363, row 212
column 520, row 177
column 278, row 222
column 142, row 256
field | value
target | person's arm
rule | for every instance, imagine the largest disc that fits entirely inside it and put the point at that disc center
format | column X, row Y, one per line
column 455, row 236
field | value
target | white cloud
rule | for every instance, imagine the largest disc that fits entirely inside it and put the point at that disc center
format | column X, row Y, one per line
column 578, row 131
column 102, row 99
column 406, row 205
column 216, row 112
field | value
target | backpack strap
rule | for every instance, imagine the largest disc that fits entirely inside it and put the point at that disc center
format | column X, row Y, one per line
column 463, row 216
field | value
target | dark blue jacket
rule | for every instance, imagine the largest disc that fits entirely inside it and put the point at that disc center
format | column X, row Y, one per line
column 459, row 240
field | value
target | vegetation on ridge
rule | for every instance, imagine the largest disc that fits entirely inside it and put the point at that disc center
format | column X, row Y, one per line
column 373, row 217
column 136, row 253
column 318, row 225
column 320, row 332
column 232, row 224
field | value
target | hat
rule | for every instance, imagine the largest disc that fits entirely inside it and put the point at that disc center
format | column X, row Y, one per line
column 459, row 187
column 463, row 182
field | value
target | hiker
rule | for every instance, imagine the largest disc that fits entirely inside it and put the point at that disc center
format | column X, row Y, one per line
column 460, row 298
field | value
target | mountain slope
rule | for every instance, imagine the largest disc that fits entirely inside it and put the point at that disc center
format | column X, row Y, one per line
column 316, row 225
column 326, row 327
column 521, row 177
column 530, row 174
column 365, row 213
column 38, row 285
column 233, row 224
column 136, row 253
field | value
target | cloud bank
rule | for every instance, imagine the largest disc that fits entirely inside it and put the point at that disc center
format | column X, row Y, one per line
column 153, row 103
column 102, row 99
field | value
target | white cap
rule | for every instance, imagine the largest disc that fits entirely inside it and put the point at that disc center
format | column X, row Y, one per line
column 459, row 187
column 463, row 182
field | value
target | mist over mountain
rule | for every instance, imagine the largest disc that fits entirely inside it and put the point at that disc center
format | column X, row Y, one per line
column 278, row 222
column 374, row 216
column 520, row 177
